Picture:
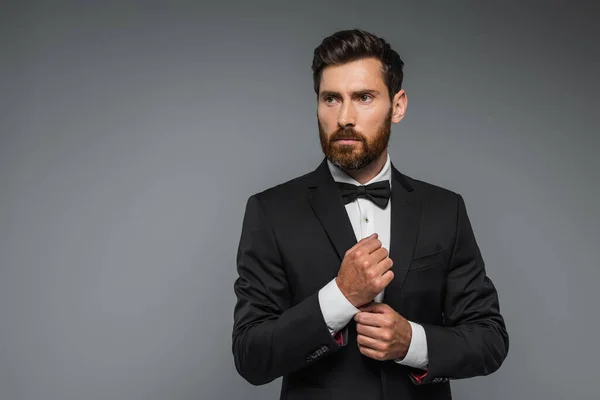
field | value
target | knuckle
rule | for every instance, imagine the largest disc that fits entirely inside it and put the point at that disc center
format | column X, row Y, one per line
column 390, row 276
column 378, row 282
column 357, row 254
column 365, row 264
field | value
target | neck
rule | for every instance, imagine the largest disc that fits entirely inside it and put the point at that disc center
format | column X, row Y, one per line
column 369, row 172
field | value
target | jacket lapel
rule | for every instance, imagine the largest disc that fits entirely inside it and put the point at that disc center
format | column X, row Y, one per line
column 327, row 204
column 405, row 218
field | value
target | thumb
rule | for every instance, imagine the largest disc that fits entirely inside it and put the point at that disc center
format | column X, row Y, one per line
column 375, row 307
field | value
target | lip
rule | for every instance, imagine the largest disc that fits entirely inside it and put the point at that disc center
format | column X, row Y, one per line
column 346, row 141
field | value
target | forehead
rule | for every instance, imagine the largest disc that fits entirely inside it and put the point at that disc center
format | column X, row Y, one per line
column 366, row 73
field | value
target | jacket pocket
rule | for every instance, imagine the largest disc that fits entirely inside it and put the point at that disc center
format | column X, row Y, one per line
column 426, row 261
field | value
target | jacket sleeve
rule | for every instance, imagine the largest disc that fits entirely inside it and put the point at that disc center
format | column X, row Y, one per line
column 473, row 340
column 271, row 337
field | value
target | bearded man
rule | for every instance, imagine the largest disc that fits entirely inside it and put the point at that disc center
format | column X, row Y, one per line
column 355, row 280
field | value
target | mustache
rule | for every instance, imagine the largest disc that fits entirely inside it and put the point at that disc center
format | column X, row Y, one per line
column 346, row 133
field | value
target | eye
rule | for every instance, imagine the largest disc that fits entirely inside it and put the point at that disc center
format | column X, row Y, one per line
column 329, row 99
column 365, row 98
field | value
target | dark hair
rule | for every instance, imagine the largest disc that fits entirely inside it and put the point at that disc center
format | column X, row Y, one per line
column 355, row 44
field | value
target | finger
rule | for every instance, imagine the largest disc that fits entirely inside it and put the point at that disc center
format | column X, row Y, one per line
column 386, row 278
column 370, row 342
column 362, row 241
column 370, row 245
column 372, row 332
column 369, row 319
column 384, row 265
column 379, row 255
column 376, row 308
column 374, row 354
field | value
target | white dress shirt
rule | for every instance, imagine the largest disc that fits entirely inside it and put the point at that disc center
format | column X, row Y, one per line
column 367, row 218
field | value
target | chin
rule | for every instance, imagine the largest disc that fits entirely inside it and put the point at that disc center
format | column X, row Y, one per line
column 347, row 163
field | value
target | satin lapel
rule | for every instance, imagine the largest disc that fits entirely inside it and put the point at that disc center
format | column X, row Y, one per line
column 405, row 218
column 326, row 202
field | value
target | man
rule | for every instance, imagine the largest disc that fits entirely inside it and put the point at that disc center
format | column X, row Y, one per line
column 356, row 281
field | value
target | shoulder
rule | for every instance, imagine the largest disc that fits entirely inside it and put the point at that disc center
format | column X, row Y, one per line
column 434, row 197
column 426, row 190
column 285, row 192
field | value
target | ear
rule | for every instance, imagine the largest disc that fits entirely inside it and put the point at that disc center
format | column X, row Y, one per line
column 399, row 103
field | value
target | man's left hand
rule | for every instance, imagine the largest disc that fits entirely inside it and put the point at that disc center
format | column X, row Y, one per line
column 383, row 334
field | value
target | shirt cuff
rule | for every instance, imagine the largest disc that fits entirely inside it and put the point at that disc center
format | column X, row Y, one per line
column 335, row 307
column 417, row 355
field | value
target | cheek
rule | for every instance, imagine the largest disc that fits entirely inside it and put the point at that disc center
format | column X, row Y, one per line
column 368, row 122
column 370, row 116
column 327, row 119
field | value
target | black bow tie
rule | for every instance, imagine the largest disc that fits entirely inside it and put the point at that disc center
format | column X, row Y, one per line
column 378, row 192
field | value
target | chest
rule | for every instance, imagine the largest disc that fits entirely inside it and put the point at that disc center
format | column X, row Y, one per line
column 367, row 218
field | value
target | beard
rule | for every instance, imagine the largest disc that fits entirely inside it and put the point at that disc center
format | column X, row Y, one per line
column 358, row 155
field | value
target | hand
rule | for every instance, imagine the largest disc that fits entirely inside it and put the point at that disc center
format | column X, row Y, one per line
column 382, row 333
column 365, row 271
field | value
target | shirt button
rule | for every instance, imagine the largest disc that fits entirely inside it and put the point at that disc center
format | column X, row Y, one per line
column 367, row 220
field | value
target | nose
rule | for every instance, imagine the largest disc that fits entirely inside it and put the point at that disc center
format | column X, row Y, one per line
column 347, row 115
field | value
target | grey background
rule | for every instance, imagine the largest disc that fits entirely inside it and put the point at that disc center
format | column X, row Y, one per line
column 133, row 133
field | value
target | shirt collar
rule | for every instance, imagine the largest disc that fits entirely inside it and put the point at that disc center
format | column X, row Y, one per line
column 340, row 176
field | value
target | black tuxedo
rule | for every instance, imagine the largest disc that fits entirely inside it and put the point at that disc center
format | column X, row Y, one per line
column 293, row 239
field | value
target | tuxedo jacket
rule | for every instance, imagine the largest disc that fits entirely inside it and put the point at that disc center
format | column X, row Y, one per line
column 294, row 237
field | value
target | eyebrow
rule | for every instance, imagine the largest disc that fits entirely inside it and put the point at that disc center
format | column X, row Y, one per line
column 332, row 93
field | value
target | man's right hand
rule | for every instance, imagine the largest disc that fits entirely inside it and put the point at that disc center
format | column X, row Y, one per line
column 365, row 271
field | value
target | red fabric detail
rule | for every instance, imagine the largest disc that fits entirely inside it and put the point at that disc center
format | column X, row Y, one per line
column 419, row 378
column 339, row 338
